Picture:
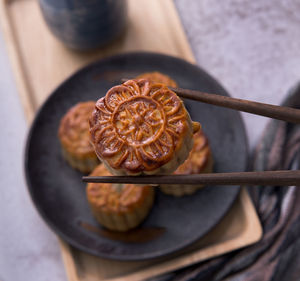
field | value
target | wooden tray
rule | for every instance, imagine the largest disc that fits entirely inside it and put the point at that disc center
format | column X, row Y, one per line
column 40, row 63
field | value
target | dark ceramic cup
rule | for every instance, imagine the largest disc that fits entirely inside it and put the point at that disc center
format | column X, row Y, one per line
column 85, row 24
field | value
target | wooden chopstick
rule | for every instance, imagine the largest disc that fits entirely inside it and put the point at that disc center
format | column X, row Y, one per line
column 283, row 113
column 277, row 178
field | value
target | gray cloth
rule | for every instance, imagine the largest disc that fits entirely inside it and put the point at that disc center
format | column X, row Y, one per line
column 277, row 255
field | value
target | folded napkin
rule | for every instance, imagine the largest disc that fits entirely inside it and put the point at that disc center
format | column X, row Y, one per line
column 277, row 255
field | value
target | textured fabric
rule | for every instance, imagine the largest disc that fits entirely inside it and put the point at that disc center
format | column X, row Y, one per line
column 277, row 255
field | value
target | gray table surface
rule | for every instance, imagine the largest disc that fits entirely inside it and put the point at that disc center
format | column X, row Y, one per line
column 251, row 47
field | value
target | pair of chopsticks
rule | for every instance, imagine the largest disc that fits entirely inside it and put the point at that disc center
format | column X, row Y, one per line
column 278, row 178
column 238, row 178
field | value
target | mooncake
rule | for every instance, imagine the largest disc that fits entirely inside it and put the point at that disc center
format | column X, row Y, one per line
column 158, row 77
column 141, row 127
column 199, row 161
column 118, row 207
column 74, row 137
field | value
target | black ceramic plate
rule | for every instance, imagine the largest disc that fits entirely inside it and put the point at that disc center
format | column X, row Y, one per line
column 59, row 195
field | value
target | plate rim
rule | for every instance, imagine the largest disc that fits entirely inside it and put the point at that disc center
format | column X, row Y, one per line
column 69, row 240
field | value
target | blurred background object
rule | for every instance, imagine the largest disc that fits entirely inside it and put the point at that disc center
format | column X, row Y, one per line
column 85, row 24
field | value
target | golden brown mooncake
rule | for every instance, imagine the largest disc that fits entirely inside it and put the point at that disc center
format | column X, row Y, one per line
column 118, row 207
column 199, row 161
column 141, row 127
column 74, row 137
column 158, row 77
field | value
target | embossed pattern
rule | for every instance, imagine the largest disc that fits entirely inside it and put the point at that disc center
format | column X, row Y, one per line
column 139, row 126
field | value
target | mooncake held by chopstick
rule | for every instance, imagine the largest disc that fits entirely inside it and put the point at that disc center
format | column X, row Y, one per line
column 141, row 127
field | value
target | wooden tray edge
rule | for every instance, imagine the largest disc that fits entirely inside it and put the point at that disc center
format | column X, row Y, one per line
column 16, row 61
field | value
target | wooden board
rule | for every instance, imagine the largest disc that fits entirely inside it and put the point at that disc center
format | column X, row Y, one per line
column 40, row 63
